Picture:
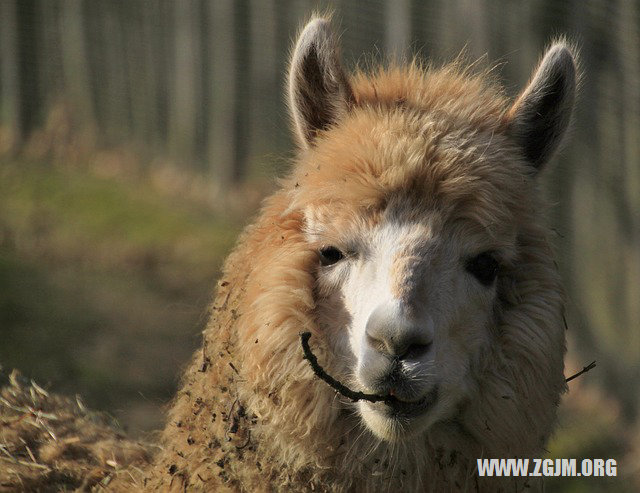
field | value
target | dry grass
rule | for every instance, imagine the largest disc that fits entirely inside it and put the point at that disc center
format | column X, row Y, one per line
column 52, row 443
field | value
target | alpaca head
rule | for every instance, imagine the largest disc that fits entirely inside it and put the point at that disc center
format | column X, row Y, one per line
column 418, row 191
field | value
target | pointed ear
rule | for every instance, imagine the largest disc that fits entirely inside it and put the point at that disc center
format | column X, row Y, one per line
column 319, row 91
column 539, row 117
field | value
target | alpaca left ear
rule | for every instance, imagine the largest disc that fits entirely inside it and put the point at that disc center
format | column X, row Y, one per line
column 319, row 91
column 539, row 118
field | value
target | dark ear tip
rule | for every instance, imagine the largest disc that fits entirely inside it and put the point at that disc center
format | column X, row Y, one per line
column 316, row 30
column 561, row 51
column 318, row 23
column 316, row 38
column 562, row 58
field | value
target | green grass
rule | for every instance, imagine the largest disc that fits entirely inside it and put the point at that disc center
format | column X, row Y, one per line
column 71, row 212
column 104, row 285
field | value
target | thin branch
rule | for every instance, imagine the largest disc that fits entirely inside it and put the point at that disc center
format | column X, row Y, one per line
column 590, row 366
column 323, row 375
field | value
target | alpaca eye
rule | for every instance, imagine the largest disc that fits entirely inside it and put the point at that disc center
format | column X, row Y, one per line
column 483, row 267
column 330, row 255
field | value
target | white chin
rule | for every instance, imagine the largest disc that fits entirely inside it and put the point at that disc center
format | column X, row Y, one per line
column 390, row 427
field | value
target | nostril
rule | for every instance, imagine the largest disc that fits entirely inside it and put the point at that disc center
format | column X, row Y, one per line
column 402, row 352
column 415, row 351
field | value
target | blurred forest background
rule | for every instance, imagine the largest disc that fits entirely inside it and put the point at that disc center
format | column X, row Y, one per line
column 138, row 137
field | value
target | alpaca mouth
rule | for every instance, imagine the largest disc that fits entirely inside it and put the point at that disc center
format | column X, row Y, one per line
column 395, row 408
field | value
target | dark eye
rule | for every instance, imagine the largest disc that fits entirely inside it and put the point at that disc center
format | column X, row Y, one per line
column 330, row 255
column 483, row 267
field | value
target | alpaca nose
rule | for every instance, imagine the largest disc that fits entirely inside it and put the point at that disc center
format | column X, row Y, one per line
column 390, row 332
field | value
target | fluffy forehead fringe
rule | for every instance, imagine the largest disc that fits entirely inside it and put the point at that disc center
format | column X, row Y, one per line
column 434, row 135
column 457, row 87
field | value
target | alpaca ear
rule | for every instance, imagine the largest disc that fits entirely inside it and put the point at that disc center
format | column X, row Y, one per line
column 539, row 117
column 319, row 91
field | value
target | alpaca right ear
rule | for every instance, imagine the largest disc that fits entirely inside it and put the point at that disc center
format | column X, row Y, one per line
column 319, row 91
column 538, row 119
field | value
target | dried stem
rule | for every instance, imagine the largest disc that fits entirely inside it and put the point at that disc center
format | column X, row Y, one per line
column 590, row 366
column 339, row 387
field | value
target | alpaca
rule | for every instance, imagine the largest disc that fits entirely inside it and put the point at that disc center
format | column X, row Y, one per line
column 409, row 240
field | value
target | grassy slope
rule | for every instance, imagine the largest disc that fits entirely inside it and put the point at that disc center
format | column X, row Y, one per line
column 103, row 285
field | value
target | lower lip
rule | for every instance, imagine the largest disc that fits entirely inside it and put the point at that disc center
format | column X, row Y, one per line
column 401, row 409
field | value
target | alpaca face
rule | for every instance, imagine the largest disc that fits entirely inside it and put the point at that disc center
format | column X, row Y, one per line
column 414, row 303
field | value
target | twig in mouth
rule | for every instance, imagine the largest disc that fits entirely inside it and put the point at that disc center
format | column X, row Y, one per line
column 332, row 382
column 357, row 396
column 590, row 366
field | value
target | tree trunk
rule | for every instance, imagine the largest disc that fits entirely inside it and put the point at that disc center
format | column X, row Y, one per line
column 9, row 80
column 30, row 107
column 223, row 93
column 74, row 62
column 397, row 31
